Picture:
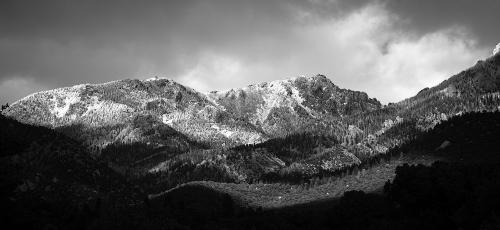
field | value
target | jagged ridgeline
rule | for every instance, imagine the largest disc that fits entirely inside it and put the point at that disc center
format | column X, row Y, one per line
column 303, row 126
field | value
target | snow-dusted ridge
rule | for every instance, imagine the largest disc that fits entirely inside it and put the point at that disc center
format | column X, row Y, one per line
column 248, row 115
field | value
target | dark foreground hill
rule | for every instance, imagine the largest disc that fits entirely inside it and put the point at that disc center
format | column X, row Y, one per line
column 50, row 181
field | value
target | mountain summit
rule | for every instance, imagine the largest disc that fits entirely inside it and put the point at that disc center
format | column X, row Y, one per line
column 293, row 105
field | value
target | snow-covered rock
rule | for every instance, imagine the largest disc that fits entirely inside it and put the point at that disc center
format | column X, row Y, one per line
column 497, row 49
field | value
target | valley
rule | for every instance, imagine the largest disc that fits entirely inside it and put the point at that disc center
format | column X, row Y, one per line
column 278, row 195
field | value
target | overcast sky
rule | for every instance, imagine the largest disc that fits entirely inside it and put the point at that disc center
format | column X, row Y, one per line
column 389, row 48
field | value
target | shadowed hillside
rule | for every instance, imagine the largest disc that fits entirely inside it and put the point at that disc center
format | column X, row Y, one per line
column 455, row 193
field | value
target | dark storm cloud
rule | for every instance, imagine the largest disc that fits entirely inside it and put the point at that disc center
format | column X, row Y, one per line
column 63, row 20
column 480, row 17
column 56, row 39
column 83, row 40
column 226, row 43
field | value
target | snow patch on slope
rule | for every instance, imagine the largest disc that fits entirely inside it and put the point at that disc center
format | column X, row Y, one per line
column 280, row 93
column 155, row 78
column 104, row 112
column 225, row 132
column 165, row 120
column 450, row 91
column 389, row 124
column 95, row 105
column 69, row 98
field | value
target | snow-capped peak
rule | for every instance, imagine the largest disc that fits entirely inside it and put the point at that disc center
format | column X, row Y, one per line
column 293, row 79
column 155, row 78
column 497, row 49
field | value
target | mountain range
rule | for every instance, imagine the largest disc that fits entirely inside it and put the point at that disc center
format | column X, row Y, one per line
column 238, row 116
column 144, row 126
column 131, row 145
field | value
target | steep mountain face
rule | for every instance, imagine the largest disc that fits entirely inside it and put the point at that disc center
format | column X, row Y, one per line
column 284, row 107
